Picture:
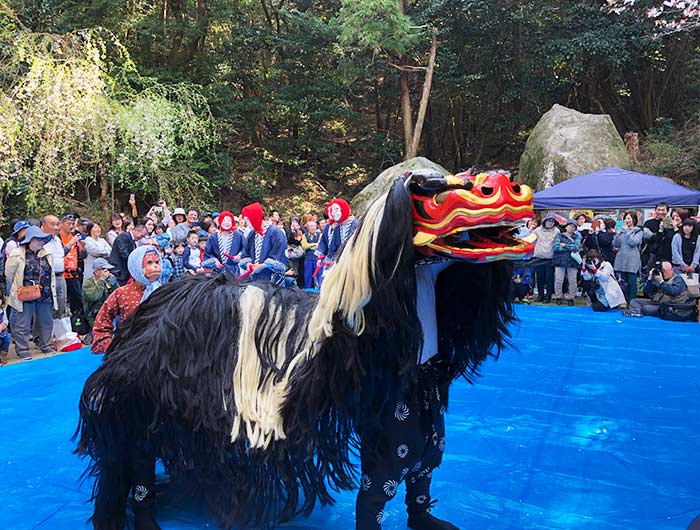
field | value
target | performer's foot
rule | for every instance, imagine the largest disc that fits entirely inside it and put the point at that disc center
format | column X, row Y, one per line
column 425, row 521
column 145, row 520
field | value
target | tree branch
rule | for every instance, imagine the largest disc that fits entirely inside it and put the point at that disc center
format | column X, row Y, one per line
column 415, row 140
column 409, row 69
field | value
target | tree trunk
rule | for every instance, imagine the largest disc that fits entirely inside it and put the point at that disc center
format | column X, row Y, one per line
column 648, row 102
column 377, row 108
column 427, row 83
column 457, row 157
column 406, row 113
column 176, row 13
column 104, row 189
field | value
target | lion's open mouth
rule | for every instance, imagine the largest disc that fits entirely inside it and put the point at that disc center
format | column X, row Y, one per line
column 481, row 244
column 483, row 238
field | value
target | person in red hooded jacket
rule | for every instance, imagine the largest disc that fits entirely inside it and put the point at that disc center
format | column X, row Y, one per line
column 264, row 252
column 340, row 227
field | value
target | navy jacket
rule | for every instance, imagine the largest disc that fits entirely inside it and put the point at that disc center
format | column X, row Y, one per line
column 123, row 245
column 603, row 243
column 329, row 245
column 186, row 258
column 272, row 254
column 212, row 249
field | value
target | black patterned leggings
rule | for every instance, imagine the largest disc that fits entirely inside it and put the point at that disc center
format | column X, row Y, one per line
column 413, row 441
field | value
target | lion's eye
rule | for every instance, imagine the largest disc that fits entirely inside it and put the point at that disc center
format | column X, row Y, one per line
column 486, row 191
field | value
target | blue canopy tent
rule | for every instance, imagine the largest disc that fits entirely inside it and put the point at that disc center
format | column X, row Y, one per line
column 614, row 188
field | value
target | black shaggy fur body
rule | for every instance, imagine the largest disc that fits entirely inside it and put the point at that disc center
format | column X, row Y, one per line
column 166, row 382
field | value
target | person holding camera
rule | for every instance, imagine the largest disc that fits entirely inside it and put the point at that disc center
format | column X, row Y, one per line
column 663, row 286
column 628, row 261
column 600, row 284
column 601, row 239
column 97, row 288
column 658, row 246
column 73, row 247
column 521, row 285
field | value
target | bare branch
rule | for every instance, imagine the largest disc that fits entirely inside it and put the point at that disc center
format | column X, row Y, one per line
column 404, row 68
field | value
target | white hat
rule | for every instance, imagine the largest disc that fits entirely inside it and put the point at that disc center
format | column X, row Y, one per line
column 179, row 211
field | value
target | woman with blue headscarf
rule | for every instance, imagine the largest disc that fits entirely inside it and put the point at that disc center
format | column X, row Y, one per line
column 145, row 267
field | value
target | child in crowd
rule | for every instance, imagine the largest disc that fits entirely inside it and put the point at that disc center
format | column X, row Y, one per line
column 521, row 284
column 166, row 265
column 192, row 257
column 177, row 261
column 309, row 242
column 5, row 337
column 202, row 245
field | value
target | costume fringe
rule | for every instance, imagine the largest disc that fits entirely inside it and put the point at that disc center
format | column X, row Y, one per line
column 256, row 397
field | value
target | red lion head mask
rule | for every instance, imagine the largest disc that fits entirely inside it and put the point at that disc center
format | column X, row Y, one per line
column 469, row 217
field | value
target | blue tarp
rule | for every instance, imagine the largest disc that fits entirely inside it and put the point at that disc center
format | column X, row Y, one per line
column 614, row 188
column 590, row 422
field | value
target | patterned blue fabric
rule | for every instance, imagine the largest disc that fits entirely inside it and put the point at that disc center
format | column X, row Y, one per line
column 214, row 250
column 273, row 246
column 178, row 266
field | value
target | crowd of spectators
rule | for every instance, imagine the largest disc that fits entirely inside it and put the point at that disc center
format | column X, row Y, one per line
column 68, row 274
column 58, row 272
column 607, row 264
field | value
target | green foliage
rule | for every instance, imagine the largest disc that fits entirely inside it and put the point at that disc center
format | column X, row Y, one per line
column 376, row 24
column 221, row 102
column 673, row 152
column 65, row 110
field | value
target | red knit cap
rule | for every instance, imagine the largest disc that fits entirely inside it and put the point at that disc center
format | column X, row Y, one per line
column 254, row 213
column 228, row 214
column 344, row 210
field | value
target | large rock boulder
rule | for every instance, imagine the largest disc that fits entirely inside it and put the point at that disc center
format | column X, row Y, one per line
column 383, row 182
column 566, row 143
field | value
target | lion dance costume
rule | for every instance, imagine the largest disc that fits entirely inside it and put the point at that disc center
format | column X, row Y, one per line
column 256, row 397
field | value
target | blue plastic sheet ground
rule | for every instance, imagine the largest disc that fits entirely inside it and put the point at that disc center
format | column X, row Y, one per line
column 591, row 421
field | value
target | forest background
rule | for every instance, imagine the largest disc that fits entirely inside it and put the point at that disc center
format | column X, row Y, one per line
column 217, row 103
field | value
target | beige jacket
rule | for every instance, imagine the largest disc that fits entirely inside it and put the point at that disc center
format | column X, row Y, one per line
column 14, row 272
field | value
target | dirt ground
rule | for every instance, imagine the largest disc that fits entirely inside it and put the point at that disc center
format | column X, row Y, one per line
column 36, row 354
